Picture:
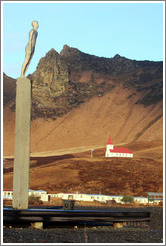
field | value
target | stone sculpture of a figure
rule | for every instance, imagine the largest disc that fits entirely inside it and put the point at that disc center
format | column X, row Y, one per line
column 30, row 48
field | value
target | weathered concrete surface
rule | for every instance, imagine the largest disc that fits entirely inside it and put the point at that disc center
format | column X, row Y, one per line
column 37, row 225
column 22, row 144
column 118, row 225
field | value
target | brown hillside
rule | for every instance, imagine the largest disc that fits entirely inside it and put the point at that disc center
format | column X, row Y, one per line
column 91, row 124
column 74, row 172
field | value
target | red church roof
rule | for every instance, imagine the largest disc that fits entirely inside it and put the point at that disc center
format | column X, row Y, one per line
column 121, row 150
column 109, row 141
column 118, row 149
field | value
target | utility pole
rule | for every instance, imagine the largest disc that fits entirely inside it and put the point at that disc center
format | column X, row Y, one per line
column 92, row 150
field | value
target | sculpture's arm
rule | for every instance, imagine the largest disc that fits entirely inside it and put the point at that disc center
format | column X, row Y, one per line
column 30, row 38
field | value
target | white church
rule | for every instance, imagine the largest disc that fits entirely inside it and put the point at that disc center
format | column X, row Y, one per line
column 112, row 151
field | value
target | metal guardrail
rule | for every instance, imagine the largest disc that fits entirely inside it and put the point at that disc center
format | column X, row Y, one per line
column 55, row 215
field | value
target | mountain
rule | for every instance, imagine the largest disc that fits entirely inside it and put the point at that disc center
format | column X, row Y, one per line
column 64, row 81
column 9, row 90
column 80, row 99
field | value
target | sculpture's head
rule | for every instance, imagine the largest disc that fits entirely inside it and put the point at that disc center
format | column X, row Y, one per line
column 35, row 25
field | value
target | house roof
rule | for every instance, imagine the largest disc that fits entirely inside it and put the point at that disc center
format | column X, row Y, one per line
column 103, row 195
column 140, row 197
column 118, row 149
column 109, row 141
column 121, row 150
column 41, row 191
column 12, row 190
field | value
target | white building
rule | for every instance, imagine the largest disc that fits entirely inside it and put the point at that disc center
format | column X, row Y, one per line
column 96, row 197
column 112, row 151
column 82, row 197
column 44, row 196
column 39, row 193
column 140, row 199
column 8, row 193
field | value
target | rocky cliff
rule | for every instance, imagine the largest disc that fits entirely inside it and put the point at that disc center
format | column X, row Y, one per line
column 64, row 81
column 86, row 98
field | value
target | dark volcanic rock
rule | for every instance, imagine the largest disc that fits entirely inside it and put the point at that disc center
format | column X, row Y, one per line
column 9, row 89
column 63, row 81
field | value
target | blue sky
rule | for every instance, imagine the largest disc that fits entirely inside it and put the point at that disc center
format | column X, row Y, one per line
column 133, row 30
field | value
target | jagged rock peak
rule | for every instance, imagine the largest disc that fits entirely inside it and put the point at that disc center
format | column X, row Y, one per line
column 52, row 52
column 51, row 55
column 68, row 51
column 117, row 56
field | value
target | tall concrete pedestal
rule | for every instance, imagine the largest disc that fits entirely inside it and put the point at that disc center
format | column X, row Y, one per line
column 22, row 144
